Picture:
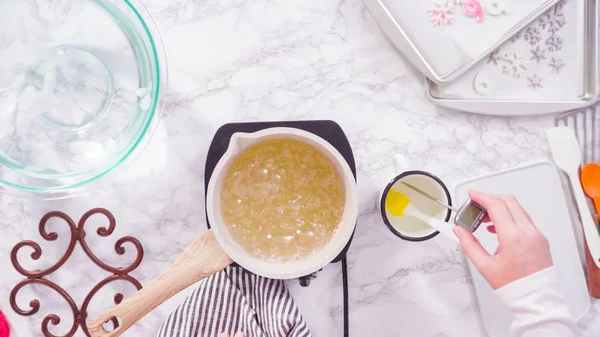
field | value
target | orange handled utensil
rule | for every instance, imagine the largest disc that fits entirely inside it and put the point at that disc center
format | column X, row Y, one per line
column 590, row 180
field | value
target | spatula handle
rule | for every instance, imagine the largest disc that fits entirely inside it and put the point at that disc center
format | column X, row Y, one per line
column 589, row 228
column 201, row 259
column 441, row 226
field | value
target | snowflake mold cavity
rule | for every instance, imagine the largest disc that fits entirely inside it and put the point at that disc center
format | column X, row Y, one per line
column 535, row 82
column 538, row 54
column 556, row 65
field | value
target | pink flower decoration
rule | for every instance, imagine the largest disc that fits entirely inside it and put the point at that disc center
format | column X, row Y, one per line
column 473, row 8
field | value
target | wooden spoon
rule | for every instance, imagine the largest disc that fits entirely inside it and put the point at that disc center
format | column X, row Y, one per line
column 201, row 259
column 590, row 180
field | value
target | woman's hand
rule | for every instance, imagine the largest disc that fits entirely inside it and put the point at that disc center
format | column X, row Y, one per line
column 237, row 334
column 522, row 249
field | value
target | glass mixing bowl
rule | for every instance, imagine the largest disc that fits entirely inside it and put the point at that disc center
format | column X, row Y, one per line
column 81, row 89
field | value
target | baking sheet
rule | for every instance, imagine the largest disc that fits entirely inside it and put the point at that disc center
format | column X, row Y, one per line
column 559, row 55
column 550, row 212
column 449, row 48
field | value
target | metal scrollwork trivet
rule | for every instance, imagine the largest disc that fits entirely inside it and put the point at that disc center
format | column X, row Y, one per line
column 77, row 235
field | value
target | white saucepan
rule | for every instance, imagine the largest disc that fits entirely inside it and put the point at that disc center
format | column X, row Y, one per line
column 216, row 249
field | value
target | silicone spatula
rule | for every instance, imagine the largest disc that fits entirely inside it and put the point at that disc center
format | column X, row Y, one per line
column 590, row 179
column 567, row 156
column 398, row 204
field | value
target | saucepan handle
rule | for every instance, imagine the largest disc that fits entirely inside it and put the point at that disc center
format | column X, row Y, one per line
column 201, row 259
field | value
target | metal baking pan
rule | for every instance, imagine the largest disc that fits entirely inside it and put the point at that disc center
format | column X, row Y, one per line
column 561, row 71
column 444, row 51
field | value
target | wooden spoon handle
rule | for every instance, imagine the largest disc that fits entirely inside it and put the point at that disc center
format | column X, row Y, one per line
column 201, row 259
column 593, row 274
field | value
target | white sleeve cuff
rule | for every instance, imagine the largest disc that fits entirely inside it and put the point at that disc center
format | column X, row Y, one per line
column 525, row 286
column 539, row 308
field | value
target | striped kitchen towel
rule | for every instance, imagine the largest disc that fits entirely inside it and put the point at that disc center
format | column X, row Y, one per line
column 236, row 300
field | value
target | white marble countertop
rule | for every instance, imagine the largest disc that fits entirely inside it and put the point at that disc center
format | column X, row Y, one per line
column 260, row 60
